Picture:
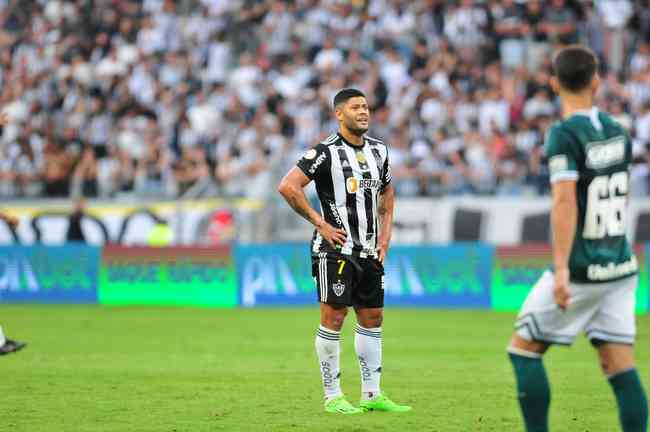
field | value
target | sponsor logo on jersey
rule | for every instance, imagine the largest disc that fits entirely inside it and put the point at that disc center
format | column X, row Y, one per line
column 611, row 270
column 339, row 288
column 319, row 160
column 353, row 184
column 369, row 184
column 335, row 213
column 602, row 154
column 310, row 154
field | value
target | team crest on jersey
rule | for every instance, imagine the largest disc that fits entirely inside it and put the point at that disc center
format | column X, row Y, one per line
column 310, row 154
column 352, row 185
column 361, row 157
column 339, row 288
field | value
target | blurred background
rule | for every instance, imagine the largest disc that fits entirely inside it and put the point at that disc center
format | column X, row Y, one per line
column 160, row 123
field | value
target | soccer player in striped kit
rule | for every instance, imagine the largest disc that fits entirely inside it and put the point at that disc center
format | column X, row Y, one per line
column 351, row 237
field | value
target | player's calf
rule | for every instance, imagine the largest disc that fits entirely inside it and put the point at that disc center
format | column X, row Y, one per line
column 617, row 361
column 533, row 391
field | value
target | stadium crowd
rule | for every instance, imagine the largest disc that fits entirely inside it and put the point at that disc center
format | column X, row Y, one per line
column 201, row 97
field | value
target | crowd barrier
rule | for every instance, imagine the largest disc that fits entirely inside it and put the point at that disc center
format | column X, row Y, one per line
column 468, row 275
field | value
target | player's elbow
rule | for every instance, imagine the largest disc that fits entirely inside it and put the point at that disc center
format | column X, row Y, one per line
column 285, row 188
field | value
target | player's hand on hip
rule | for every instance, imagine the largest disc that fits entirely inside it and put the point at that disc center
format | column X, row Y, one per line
column 561, row 290
column 334, row 236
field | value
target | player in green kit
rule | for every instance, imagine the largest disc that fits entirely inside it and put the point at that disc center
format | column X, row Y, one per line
column 592, row 285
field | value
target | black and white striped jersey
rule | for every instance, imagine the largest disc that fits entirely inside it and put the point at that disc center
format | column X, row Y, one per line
column 348, row 180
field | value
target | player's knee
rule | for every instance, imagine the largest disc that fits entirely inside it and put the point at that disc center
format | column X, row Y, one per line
column 518, row 343
column 604, row 366
column 371, row 318
column 615, row 361
column 376, row 319
column 336, row 317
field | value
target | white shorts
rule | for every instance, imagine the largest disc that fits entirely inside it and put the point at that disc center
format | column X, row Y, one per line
column 605, row 311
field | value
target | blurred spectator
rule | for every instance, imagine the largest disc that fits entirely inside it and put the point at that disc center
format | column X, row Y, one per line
column 190, row 171
column 56, row 170
column 465, row 27
column 84, row 176
column 535, row 30
column 75, row 231
column 560, row 23
column 615, row 15
column 509, row 28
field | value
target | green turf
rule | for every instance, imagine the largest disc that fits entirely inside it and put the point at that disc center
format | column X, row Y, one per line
column 166, row 369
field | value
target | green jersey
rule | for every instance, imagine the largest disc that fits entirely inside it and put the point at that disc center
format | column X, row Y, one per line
column 594, row 150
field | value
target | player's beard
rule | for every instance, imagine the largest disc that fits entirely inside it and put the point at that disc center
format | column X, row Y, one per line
column 354, row 129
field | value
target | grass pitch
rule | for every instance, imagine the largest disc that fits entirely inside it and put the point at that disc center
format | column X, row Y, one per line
column 90, row 368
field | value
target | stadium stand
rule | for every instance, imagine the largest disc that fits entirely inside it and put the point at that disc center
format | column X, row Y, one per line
column 161, row 98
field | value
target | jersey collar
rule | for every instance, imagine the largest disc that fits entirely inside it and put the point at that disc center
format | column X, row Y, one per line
column 359, row 147
column 592, row 114
column 585, row 112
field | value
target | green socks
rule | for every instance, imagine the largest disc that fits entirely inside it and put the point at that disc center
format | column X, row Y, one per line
column 533, row 391
column 534, row 395
column 631, row 399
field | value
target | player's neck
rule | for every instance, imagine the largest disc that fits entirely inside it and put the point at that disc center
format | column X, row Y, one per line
column 352, row 139
column 573, row 103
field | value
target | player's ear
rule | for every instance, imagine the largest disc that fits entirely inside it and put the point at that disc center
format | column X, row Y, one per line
column 555, row 85
column 338, row 112
column 595, row 83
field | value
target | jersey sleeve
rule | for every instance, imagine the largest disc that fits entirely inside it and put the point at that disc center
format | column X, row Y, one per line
column 386, row 174
column 315, row 161
column 561, row 155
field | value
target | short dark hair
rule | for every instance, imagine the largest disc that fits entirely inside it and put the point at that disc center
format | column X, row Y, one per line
column 345, row 94
column 575, row 67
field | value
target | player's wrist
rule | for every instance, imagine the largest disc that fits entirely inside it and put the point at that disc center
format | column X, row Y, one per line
column 561, row 270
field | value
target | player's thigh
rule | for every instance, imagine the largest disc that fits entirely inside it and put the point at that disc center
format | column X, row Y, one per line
column 368, row 293
column 334, row 279
column 615, row 321
column 541, row 320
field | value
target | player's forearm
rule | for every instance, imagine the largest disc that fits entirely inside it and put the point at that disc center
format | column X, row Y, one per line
column 296, row 198
column 385, row 211
column 564, row 220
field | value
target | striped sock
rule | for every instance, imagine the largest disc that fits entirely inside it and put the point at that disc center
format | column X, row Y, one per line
column 328, row 351
column 367, row 344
